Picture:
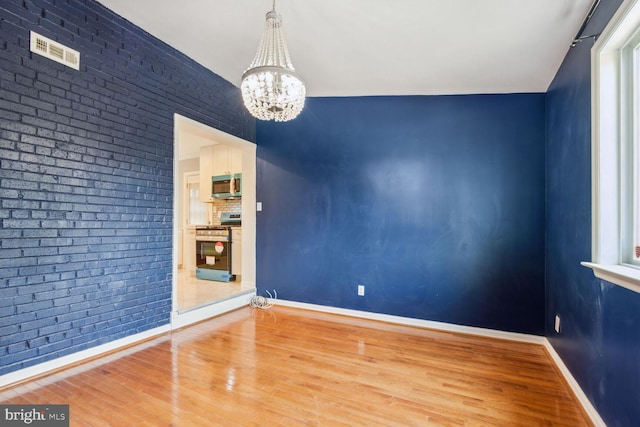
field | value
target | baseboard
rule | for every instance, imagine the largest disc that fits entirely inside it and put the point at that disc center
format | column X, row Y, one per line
column 180, row 320
column 194, row 316
column 492, row 333
column 575, row 387
column 177, row 321
column 449, row 327
column 71, row 359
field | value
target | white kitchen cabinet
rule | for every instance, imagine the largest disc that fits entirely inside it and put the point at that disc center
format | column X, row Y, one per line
column 226, row 160
column 206, row 172
column 189, row 252
column 236, row 251
column 235, row 160
column 217, row 160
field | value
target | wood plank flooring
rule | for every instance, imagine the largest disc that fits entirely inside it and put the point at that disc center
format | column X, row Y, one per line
column 291, row 367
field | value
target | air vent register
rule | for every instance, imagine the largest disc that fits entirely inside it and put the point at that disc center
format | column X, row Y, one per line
column 54, row 50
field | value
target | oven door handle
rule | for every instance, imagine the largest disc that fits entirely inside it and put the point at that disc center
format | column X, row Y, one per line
column 213, row 239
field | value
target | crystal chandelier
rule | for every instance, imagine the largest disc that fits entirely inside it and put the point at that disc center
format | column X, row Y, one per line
column 271, row 88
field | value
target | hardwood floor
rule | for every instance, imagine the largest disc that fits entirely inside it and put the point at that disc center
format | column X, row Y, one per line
column 290, row 367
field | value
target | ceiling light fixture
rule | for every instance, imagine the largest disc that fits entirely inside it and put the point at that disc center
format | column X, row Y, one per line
column 271, row 88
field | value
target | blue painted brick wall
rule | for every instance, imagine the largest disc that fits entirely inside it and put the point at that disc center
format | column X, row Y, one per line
column 86, row 176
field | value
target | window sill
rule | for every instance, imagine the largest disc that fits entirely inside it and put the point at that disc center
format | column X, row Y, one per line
column 621, row 275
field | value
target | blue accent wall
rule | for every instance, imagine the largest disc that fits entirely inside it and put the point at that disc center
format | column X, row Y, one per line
column 599, row 339
column 434, row 203
column 86, row 183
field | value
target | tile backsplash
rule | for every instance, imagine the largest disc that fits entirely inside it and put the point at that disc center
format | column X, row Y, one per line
column 215, row 208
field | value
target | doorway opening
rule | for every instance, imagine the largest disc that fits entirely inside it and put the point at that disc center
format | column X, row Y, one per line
column 194, row 298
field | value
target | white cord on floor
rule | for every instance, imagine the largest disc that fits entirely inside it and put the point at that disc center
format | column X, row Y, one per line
column 264, row 303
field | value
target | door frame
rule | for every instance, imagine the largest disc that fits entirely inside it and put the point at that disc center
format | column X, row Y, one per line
column 183, row 126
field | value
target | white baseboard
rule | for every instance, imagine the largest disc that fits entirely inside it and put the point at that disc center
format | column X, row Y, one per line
column 194, row 316
column 513, row 336
column 180, row 320
column 575, row 387
column 177, row 321
column 61, row 362
column 492, row 333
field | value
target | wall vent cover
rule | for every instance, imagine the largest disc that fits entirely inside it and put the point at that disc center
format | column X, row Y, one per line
column 54, row 50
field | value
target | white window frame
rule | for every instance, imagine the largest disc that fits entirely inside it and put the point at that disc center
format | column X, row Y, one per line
column 611, row 195
column 192, row 178
column 631, row 154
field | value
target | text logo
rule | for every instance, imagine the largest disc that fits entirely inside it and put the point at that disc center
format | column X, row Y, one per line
column 34, row 415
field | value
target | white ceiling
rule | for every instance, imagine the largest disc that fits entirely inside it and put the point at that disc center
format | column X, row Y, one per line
column 377, row 47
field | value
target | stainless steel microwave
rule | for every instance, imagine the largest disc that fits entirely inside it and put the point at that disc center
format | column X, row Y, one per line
column 226, row 186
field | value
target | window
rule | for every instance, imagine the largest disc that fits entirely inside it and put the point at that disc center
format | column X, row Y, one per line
column 616, row 149
column 196, row 211
column 630, row 154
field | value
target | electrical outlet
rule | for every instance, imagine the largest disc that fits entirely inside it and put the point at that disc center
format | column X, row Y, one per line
column 361, row 290
column 557, row 325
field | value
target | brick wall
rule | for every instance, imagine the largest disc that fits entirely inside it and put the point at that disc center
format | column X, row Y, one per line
column 86, row 181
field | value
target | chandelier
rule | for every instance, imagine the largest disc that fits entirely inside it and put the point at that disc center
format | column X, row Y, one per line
column 271, row 88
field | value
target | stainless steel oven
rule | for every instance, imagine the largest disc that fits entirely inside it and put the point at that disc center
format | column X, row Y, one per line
column 213, row 253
